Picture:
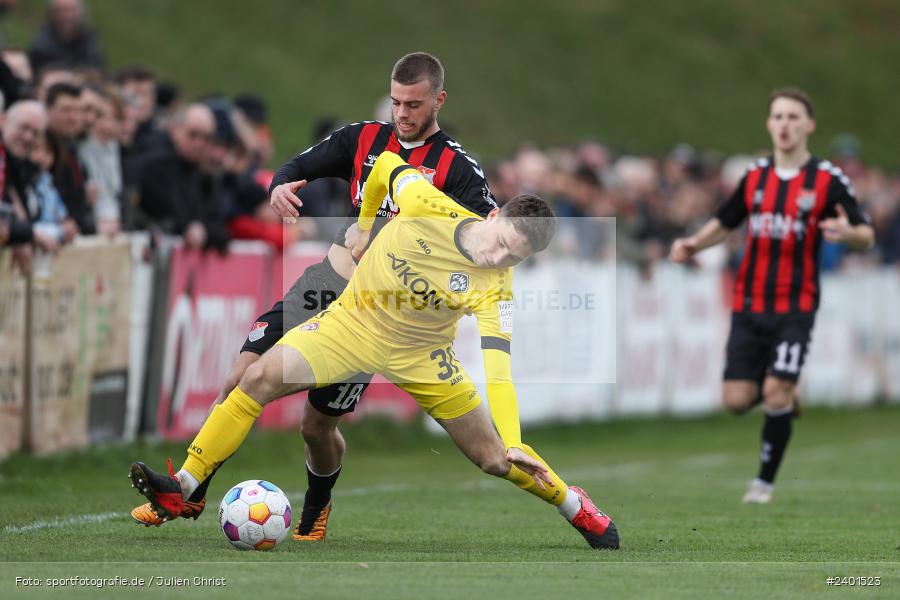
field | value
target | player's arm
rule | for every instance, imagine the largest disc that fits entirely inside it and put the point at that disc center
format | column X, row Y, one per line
column 494, row 316
column 846, row 223
column 467, row 184
column 332, row 157
column 391, row 176
column 727, row 218
column 713, row 232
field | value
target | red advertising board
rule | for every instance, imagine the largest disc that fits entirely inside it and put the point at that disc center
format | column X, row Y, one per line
column 213, row 300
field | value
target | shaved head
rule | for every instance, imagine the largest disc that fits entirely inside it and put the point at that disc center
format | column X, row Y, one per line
column 192, row 129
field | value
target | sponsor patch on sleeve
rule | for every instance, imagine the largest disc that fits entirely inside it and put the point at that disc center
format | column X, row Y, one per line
column 257, row 331
column 404, row 181
column 505, row 310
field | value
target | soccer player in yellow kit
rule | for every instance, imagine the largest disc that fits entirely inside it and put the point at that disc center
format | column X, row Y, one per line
column 433, row 263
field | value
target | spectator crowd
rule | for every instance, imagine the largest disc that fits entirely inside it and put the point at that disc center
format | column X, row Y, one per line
column 89, row 151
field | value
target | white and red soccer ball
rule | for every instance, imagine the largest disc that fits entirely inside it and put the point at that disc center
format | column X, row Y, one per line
column 255, row 515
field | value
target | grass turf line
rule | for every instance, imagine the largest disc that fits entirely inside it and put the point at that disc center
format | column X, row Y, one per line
column 672, row 486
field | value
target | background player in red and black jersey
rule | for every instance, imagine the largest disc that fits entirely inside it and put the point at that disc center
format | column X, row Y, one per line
column 791, row 201
column 417, row 93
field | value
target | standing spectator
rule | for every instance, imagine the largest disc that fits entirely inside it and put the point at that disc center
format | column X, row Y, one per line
column 246, row 191
column 65, row 123
column 52, row 224
column 503, row 181
column 172, row 188
column 256, row 112
column 15, row 75
column 168, row 100
column 100, row 153
column 138, row 85
column 66, row 37
column 91, row 97
column 580, row 231
column 20, row 128
column 532, row 168
column 51, row 74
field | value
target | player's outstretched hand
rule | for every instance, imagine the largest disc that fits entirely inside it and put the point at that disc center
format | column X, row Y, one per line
column 532, row 466
column 357, row 240
column 682, row 250
column 836, row 229
column 285, row 202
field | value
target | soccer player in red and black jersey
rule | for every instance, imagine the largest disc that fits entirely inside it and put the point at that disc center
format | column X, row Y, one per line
column 417, row 94
column 791, row 200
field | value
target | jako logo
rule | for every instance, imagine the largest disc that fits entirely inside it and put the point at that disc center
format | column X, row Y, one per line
column 423, row 245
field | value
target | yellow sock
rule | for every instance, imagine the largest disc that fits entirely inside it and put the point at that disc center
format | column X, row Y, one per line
column 222, row 433
column 554, row 494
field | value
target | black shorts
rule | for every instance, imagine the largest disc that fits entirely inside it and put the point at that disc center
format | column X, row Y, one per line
column 762, row 344
column 317, row 287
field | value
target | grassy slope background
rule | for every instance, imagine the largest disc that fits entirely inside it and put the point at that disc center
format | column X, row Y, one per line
column 642, row 76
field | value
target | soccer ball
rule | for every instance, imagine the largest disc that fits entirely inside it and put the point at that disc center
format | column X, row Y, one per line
column 255, row 515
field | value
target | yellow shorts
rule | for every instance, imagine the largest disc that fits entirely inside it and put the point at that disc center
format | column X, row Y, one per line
column 337, row 348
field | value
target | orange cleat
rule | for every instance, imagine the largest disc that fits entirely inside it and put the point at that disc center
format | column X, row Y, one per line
column 312, row 524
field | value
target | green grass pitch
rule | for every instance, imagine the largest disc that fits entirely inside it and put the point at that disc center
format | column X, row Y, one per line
column 413, row 519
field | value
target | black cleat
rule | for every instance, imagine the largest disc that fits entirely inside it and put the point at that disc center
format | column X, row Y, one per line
column 164, row 493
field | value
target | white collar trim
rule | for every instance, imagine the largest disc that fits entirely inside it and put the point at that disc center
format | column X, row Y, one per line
column 411, row 145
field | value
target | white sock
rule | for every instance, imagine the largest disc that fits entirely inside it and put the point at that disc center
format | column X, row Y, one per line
column 570, row 506
column 188, row 483
column 763, row 485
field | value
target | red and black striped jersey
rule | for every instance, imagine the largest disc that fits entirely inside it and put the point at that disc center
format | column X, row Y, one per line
column 350, row 152
column 779, row 272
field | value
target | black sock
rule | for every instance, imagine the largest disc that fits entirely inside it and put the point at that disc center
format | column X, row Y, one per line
column 318, row 495
column 776, row 433
column 200, row 492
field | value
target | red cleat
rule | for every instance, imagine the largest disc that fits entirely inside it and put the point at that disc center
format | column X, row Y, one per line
column 164, row 493
column 598, row 529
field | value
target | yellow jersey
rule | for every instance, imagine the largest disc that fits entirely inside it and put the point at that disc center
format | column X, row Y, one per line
column 415, row 281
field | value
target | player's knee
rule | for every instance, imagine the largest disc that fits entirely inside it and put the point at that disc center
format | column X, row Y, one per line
column 235, row 374
column 779, row 396
column 231, row 381
column 315, row 430
column 256, row 382
column 736, row 404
